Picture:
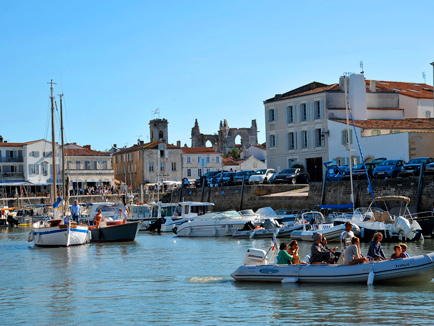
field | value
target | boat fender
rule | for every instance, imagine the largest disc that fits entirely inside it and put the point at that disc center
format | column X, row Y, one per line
column 371, row 278
column 228, row 228
column 252, row 234
column 362, row 233
column 290, row 280
column 175, row 229
column 30, row 236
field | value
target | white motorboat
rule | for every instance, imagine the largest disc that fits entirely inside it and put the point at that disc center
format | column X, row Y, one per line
column 396, row 224
column 257, row 268
column 53, row 233
column 220, row 224
column 318, row 224
column 171, row 215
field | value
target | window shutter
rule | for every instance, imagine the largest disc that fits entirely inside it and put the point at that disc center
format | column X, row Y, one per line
column 300, row 113
column 275, row 114
column 321, row 109
column 312, row 105
column 322, row 138
column 287, row 141
column 300, row 139
column 343, row 137
column 351, row 136
column 276, row 137
column 294, row 113
column 308, row 138
column 295, row 139
column 307, row 111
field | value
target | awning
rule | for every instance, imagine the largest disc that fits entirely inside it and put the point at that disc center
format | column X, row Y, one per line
column 106, row 180
column 15, row 183
column 92, row 180
column 77, row 180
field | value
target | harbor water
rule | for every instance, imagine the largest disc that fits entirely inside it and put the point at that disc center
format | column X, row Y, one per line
column 162, row 279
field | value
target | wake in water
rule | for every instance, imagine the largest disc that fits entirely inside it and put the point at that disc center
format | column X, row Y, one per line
column 208, row 279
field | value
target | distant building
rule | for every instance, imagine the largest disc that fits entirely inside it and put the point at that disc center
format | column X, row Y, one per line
column 196, row 161
column 306, row 125
column 87, row 168
column 230, row 164
column 224, row 140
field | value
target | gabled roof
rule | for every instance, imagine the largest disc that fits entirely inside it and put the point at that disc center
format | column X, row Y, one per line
column 418, row 124
column 231, row 161
column 307, row 89
column 260, row 147
column 415, row 90
column 5, row 144
column 199, row 150
column 83, row 152
column 152, row 145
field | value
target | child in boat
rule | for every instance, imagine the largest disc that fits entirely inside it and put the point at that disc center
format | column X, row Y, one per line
column 352, row 255
column 398, row 253
column 293, row 251
column 283, row 257
column 404, row 249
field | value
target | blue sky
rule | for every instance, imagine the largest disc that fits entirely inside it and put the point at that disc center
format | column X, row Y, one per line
column 117, row 61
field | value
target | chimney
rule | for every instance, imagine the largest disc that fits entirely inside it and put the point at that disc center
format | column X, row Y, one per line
column 178, row 143
column 86, row 146
column 142, row 142
column 1, row 139
column 372, row 86
column 115, row 146
column 357, row 97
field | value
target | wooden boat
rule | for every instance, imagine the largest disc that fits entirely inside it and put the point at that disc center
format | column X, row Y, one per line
column 53, row 233
column 414, row 269
column 114, row 231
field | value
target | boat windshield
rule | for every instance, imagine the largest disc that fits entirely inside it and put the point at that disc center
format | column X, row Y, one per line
column 165, row 211
column 200, row 210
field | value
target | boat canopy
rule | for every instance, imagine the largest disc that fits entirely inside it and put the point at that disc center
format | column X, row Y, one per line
column 343, row 206
column 391, row 198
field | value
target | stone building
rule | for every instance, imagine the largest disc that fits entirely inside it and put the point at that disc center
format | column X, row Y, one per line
column 196, row 161
column 224, row 140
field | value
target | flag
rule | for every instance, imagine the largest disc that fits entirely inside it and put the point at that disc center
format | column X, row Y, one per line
column 157, row 111
column 274, row 242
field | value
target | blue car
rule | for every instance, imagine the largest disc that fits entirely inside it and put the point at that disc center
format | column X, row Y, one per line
column 335, row 172
column 388, row 169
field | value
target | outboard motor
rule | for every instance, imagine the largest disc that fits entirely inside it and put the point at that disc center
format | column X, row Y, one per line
column 254, row 257
column 156, row 226
column 248, row 226
column 12, row 221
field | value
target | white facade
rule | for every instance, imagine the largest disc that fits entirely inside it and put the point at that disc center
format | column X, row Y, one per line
column 252, row 163
column 39, row 163
column 197, row 163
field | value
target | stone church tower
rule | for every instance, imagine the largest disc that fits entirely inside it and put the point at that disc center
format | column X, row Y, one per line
column 158, row 130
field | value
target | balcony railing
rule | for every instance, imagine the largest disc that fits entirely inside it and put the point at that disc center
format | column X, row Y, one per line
column 11, row 174
column 11, row 159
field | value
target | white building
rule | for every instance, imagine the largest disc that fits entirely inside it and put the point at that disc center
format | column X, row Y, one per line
column 196, row 161
column 305, row 125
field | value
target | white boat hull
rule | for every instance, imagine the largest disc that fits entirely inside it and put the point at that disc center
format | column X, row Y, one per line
column 60, row 236
column 218, row 229
column 414, row 269
column 332, row 234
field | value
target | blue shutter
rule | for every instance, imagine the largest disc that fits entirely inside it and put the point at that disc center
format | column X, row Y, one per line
column 307, row 111
column 321, row 109
column 295, row 140
column 308, row 138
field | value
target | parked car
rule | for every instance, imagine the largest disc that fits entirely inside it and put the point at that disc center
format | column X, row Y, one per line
column 228, row 178
column 378, row 160
column 261, row 176
column 239, row 176
column 412, row 168
column 359, row 170
column 293, row 175
column 388, row 169
column 335, row 172
column 207, row 176
column 429, row 168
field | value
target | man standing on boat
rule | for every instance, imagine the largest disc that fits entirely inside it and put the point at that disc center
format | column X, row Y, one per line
column 347, row 235
column 75, row 211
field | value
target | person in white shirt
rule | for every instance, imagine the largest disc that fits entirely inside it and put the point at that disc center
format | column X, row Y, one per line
column 125, row 213
column 75, row 211
column 347, row 235
column 352, row 255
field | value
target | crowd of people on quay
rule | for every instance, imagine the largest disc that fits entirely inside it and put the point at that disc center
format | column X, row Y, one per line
column 350, row 254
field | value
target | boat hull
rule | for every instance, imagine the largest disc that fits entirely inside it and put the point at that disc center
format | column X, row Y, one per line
column 116, row 233
column 415, row 269
column 60, row 236
column 223, row 229
column 332, row 234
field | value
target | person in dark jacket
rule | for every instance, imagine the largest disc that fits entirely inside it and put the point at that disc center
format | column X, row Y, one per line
column 375, row 251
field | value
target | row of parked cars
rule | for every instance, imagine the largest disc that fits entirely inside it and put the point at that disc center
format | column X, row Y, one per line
column 226, row 178
column 380, row 168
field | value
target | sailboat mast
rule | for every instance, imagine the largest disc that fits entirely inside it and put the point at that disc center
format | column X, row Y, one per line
column 63, row 155
column 348, row 144
column 53, row 145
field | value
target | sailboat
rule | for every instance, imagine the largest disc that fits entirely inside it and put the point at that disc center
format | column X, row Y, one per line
column 57, row 232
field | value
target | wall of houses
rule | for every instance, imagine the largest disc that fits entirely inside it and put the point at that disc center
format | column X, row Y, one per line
column 170, row 165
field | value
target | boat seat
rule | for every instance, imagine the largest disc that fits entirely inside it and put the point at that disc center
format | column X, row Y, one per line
column 385, row 217
column 377, row 216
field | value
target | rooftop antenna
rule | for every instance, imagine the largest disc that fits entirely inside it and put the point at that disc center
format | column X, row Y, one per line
column 424, row 77
column 361, row 67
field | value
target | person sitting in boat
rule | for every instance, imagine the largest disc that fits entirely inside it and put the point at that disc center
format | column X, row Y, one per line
column 352, row 255
column 283, row 257
column 398, row 253
column 319, row 254
column 347, row 235
column 293, row 251
column 375, row 251
column 124, row 212
column 404, row 249
column 98, row 218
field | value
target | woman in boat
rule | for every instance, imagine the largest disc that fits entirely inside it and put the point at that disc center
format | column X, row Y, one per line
column 98, row 218
column 283, row 257
column 375, row 251
column 293, row 251
column 352, row 255
column 398, row 253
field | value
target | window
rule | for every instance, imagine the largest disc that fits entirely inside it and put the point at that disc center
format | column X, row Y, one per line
column 375, row 132
column 208, row 159
column 303, row 112
column 116, row 159
column 272, row 140
column 34, row 154
column 199, row 172
column 78, row 165
column 188, row 172
column 95, row 165
column 317, row 110
column 87, row 165
column 33, row 169
column 161, row 166
column 198, row 159
column 68, row 165
column 271, row 115
column 188, row 159
column 304, row 139
column 151, row 167
column 427, row 114
column 217, row 159
column 140, row 154
column 46, row 154
column 317, row 137
column 173, row 166
column 290, row 114
column 104, row 165
column 291, row 141
column 44, row 169
column 347, row 139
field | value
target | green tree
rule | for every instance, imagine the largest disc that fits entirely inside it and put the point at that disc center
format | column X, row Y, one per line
column 235, row 153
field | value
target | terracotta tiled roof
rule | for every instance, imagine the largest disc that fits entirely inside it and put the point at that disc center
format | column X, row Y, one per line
column 231, row 161
column 415, row 90
column 22, row 144
column 152, row 145
column 385, row 109
column 199, row 150
column 405, row 124
column 83, row 152
column 260, row 146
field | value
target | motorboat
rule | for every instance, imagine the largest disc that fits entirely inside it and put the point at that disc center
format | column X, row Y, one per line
column 317, row 224
column 172, row 215
column 257, row 268
column 249, row 230
column 56, row 233
column 114, row 231
column 221, row 224
column 395, row 224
